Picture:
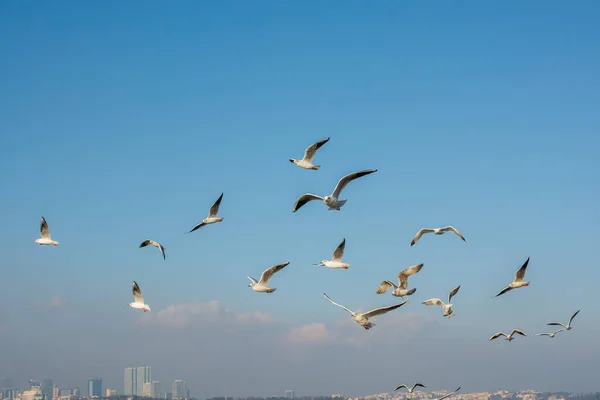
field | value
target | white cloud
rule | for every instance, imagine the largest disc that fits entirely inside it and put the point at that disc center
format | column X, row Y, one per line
column 309, row 333
column 55, row 302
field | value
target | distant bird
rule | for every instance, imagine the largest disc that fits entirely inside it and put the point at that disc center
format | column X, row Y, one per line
column 518, row 282
column 549, row 334
column 336, row 258
column 568, row 326
column 332, row 201
column 155, row 244
column 363, row 318
column 401, row 290
column 212, row 215
column 449, row 394
column 508, row 337
column 309, row 154
column 261, row 285
column 447, row 307
column 45, row 239
column 410, row 390
column 138, row 299
column 437, row 231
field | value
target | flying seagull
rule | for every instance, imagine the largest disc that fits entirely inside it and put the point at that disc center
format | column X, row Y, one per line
column 401, row 290
column 45, row 239
column 437, row 231
column 508, row 337
column 549, row 334
column 518, row 282
column 447, row 307
column 568, row 326
column 309, row 154
column 363, row 318
column 336, row 258
column 212, row 215
column 155, row 244
column 332, row 200
column 138, row 299
column 410, row 390
column 261, row 285
column 449, row 394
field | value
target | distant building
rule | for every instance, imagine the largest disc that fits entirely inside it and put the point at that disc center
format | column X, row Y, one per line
column 95, row 387
column 289, row 394
column 77, row 392
column 143, row 375
column 65, row 392
column 47, row 385
column 155, row 390
column 180, row 390
column 33, row 394
column 129, row 388
column 147, row 389
column 55, row 391
column 111, row 392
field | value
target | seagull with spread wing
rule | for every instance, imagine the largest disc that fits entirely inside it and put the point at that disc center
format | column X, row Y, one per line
column 410, row 390
column 449, row 394
column 309, row 154
column 437, row 231
column 518, row 282
column 332, row 201
column 363, row 318
column 261, row 285
column 138, row 299
column 551, row 335
column 402, row 289
column 212, row 215
column 45, row 239
column 155, row 244
column 448, row 312
column 568, row 326
column 336, row 258
column 508, row 337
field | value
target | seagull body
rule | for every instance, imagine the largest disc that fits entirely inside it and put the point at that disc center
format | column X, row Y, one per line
column 138, row 299
column 332, row 201
column 155, row 244
column 336, row 259
column 437, row 231
column 261, row 285
column 401, row 290
column 518, row 282
column 508, row 337
column 45, row 239
column 363, row 318
column 449, row 394
column 212, row 215
column 309, row 154
column 568, row 326
column 448, row 312
column 550, row 334
column 410, row 390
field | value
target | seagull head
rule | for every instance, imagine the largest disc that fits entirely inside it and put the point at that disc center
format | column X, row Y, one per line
column 525, row 283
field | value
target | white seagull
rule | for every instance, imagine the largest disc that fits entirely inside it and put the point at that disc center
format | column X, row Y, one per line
column 332, row 201
column 261, row 285
column 138, row 299
column 508, row 337
column 410, row 390
column 437, row 231
column 401, row 290
column 518, row 282
column 447, row 307
column 155, row 244
column 336, row 258
column 568, row 326
column 363, row 318
column 309, row 154
column 212, row 215
column 549, row 334
column 449, row 394
column 45, row 239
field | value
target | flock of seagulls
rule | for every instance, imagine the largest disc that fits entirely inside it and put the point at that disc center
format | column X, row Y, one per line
column 333, row 202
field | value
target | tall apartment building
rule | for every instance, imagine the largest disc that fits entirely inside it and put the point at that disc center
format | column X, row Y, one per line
column 130, row 384
column 144, row 375
column 180, row 390
column 95, row 387
column 135, row 378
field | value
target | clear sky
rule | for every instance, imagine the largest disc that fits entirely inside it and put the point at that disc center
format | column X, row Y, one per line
column 123, row 121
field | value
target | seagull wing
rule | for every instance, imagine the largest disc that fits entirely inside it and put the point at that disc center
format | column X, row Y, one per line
column 269, row 272
column 557, row 324
column 44, row 229
column 433, row 302
column 349, row 178
column 543, row 334
column 573, row 316
column 419, row 234
column 381, row 310
column 452, row 293
column 338, row 254
column 385, row 285
column 519, row 332
column 403, row 276
column 305, row 198
column 339, row 305
column 401, row 386
column 495, row 335
column 253, row 280
column 145, row 243
column 453, row 229
column 449, row 394
column 198, row 226
column 417, row 384
column 560, row 330
column 214, row 209
column 521, row 272
column 137, row 293
column 162, row 250
column 310, row 151
column 506, row 289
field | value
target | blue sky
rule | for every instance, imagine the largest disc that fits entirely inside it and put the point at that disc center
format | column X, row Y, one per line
column 125, row 121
